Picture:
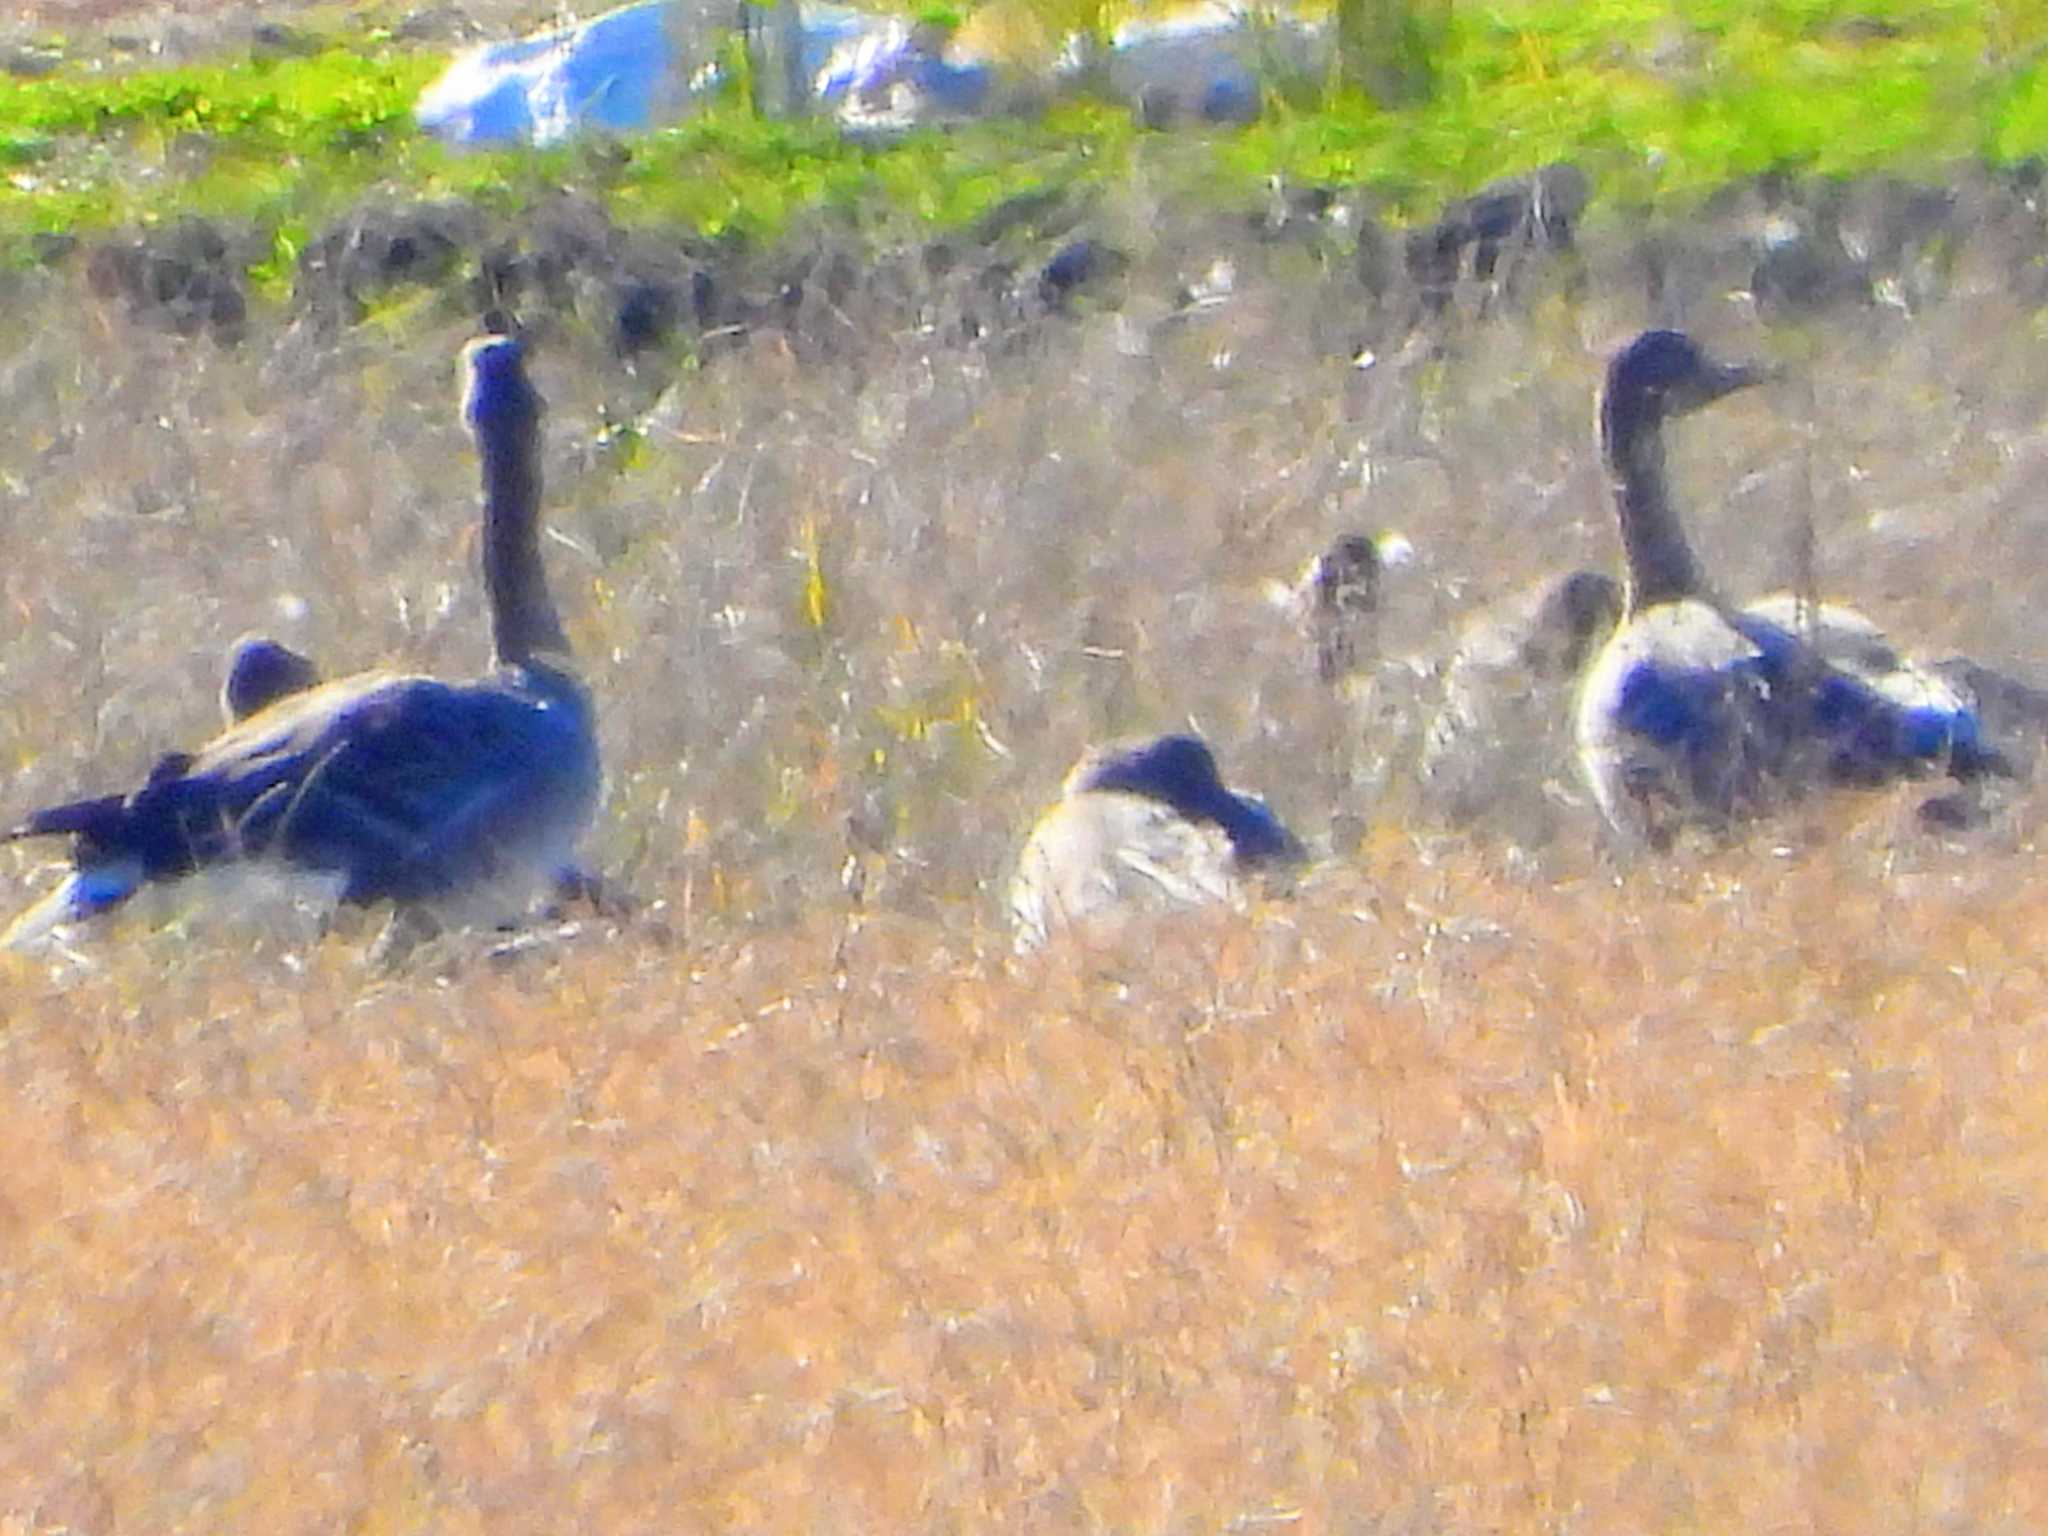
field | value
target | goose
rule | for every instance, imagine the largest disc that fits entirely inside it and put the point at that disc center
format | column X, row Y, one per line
column 1694, row 710
column 1141, row 826
column 1353, row 717
column 260, row 672
column 1479, row 725
column 399, row 787
column 1335, row 600
column 1499, row 737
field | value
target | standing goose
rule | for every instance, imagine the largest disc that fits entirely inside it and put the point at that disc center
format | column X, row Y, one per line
column 1697, row 711
column 1141, row 826
column 1356, row 725
column 402, row 788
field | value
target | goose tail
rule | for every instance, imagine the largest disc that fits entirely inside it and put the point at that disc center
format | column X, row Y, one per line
column 94, row 818
column 1975, row 758
column 81, row 894
column 99, row 881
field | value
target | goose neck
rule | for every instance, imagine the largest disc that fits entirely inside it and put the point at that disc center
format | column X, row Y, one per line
column 523, row 618
column 1661, row 565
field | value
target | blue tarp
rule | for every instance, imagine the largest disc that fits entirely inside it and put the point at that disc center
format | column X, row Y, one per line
column 649, row 64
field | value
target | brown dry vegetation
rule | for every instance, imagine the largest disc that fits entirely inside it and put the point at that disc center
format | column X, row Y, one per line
column 1460, row 1193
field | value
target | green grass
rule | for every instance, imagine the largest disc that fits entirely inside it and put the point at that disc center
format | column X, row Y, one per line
column 270, row 141
column 1657, row 99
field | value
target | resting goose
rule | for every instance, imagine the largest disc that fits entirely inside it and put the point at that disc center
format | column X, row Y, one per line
column 1694, row 710
column 1141, row 826
column 1484, row 728
column 399, row 787
column 1500, row 737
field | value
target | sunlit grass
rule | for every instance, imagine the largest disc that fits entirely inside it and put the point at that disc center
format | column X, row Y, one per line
column 1468, row 1190
column 1653, row 1205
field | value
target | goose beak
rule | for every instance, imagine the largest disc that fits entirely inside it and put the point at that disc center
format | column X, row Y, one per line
column 1734, row 376
column 1712, row 381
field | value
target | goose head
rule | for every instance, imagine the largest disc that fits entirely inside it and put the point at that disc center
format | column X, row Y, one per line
column 1576, row 615
column 1343, row 582
column 1337, row 597
column 1658, row 377
column 1345, row 578
column 1179, row 772
column 260, row 672
column 499, row 403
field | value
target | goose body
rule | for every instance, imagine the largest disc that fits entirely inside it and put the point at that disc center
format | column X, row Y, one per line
column 1499, row 741
column 262, row 671
column 399, row 787
column 1141, row 827
column 1696, row 710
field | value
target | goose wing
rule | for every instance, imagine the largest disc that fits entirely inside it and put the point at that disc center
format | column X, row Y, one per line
column 1836, row 631
column 1870, row 713
column 410, row 785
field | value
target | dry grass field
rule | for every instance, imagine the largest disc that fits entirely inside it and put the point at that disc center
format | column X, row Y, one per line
column 1474, row 1189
